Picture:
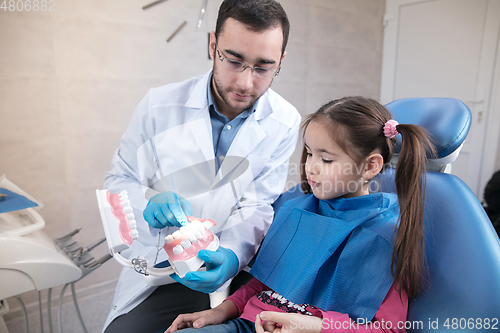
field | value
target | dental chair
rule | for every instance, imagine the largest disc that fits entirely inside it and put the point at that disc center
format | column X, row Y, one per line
column 31, row 260
column 461, row 287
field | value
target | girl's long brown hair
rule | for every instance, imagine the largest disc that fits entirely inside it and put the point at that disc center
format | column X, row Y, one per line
column 356, row 125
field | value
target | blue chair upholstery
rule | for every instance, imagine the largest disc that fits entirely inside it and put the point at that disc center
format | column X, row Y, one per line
column 461, row 286
column 463, row 258
column 448, row 120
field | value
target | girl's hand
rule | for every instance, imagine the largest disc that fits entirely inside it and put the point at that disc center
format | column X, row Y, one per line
column 279, row 322
column 196, row 320
column 225, row 311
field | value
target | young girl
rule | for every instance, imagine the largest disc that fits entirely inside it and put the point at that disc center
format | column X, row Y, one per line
column 338, row 259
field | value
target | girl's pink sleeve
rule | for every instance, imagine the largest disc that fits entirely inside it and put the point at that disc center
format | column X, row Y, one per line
column 390, row 317
column 245, row 292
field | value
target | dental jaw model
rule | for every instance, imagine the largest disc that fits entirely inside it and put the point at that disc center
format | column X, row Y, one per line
column 182, row 246
column 118, row 221
column 120, row 227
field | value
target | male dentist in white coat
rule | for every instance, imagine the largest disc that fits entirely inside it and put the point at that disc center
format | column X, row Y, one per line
column 215, row 147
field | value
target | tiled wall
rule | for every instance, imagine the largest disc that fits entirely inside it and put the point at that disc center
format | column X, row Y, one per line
column 70, row 80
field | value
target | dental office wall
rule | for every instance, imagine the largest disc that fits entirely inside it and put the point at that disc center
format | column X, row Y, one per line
column 71, row 78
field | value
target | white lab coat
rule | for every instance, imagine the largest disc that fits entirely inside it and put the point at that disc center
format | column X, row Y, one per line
column 173, row 123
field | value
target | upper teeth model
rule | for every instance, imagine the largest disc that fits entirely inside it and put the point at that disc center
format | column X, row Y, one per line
column 183, row 245
column 119, row 222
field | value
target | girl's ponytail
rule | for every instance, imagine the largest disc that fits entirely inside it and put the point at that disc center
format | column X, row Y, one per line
column 408, row 254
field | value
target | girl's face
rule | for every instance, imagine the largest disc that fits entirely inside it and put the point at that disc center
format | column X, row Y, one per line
column 330, row 172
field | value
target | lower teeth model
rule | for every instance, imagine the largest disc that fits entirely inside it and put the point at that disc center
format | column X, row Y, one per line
column 183, row 245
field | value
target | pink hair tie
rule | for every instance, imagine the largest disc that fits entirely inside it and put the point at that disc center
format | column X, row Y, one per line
column 390, row 130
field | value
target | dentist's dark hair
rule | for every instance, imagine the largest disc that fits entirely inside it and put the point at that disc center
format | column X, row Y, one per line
column 356, row 124
column 257, row 15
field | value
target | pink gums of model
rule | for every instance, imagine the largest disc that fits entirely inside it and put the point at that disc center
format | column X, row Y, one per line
column 118, row 220
column 120, row 212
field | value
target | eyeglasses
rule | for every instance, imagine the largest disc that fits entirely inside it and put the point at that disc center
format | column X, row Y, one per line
column 240, row 66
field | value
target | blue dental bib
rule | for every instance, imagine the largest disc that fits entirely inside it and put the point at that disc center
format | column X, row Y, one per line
column 333, row 254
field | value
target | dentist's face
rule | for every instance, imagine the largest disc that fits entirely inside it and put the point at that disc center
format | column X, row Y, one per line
column 234, row 92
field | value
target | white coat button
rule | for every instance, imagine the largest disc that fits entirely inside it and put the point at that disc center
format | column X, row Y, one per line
column 228, row 127
column 114, row 307
column 221, row 158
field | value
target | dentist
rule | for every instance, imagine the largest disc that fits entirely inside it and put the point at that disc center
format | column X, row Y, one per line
column 214, row 146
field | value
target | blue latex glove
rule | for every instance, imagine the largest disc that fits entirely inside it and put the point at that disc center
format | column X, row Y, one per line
column 221, row 266
column 166, row 210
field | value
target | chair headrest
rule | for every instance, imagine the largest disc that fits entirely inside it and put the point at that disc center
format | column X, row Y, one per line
column 448, row 120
